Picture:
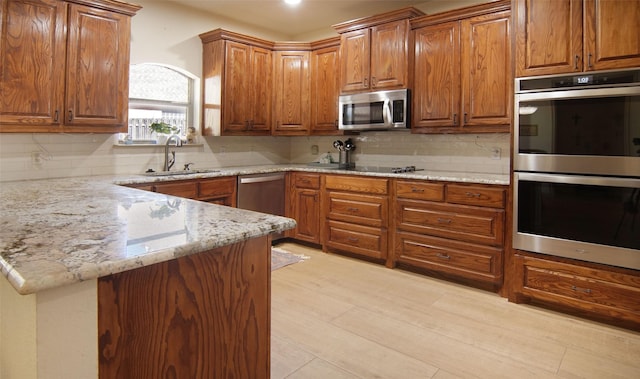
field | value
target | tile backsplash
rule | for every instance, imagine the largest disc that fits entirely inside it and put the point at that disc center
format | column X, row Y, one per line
column 39, row 156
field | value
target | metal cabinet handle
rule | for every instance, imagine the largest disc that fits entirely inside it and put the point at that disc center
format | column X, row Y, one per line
column 417, row 190
column 471, row 194
column 70, row 115
column 365, row 83
column 589, row 65
column 373, row 81
column 351, row 209
column 455, row 119
column 353, row 239
column 443, row 256
column 583, row 290
column 444, row 220
column 464, row 120
column 577, row 60
column 56, row 115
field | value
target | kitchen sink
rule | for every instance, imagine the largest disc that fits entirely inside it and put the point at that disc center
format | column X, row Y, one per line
column 180, row 172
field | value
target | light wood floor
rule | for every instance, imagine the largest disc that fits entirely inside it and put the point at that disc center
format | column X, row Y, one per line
column 336, row 317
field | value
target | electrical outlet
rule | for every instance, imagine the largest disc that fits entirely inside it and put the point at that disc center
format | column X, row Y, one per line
column 36, row 158
column 495, row 153
column 314, row 149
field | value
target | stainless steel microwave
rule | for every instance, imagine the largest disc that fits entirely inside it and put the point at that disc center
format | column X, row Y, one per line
column 380, row 110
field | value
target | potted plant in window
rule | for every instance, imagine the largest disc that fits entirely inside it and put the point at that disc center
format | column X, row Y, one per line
column 163, row 131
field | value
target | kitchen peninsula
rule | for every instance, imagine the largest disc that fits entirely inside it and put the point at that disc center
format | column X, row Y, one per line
column 104, row 280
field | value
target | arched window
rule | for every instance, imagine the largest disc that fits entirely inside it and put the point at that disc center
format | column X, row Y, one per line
column 159, row 93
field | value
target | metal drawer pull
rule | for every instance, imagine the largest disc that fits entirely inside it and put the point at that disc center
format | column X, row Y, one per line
column 443, row 256
column 350, row 209
column 353, row 239
column 444, row 220
column 419, row 190
column 471, row 194
column 583, row 290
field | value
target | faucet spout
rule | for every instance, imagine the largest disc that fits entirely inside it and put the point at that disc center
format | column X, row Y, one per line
column 169, row 162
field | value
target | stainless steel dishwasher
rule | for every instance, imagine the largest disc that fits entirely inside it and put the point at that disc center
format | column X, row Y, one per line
column 262, row 193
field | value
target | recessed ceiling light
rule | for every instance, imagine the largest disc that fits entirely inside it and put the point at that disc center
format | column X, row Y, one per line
column 292, row 2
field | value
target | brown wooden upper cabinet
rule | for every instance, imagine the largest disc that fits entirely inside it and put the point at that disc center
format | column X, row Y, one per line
column 374, row 51
column 292, row 114
column 325, row 86
column 237, row 84
column 463, row 70
column 564, row 36
column 64, row 67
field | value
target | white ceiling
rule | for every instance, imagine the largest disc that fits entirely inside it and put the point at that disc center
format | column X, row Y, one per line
column 311, row 16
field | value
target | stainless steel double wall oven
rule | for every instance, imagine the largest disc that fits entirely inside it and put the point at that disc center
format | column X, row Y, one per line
column 577, row 166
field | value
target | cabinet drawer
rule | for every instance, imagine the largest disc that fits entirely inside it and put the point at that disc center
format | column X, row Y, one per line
column 357, row 184
column 311, row 181
column 474, row 195
column 420, row 190
column 216, row 188
column 359, row 209
column 460, row 258
column 463, row 223
column 357, row 239
column 188, row 189
column 609, row 293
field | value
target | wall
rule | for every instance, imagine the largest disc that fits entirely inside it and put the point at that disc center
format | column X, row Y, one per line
column 164, row 33
column 443, row 152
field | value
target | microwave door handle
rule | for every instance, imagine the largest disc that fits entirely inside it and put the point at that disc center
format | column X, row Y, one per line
column 386, row 112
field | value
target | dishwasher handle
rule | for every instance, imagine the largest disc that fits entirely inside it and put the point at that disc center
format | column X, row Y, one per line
column 261, row 179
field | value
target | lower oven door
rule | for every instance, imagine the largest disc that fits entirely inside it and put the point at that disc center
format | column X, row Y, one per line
column 588, row 218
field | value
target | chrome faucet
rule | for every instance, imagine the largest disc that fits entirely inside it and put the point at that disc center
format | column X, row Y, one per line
column 169, row 162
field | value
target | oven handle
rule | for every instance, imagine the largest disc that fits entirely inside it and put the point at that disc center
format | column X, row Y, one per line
column 578, row 179
column 577, row 93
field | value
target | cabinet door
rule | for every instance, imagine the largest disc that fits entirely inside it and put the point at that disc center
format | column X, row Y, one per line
column 611, row 34
column 548, row 36
column 355, row 56
column 97, row 92
column 436, row 95
column 486, row 71
column 325, row 88
column 32, row 57
column 292, row 90
column 261, row 91
column 237, row 74
column 389, row 55
column 307, row 215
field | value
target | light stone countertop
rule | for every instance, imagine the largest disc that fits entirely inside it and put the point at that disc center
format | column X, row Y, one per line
column 62, row 231
column 447, row 176
column 58, row 232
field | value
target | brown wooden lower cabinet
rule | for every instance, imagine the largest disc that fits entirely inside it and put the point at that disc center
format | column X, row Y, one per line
column 356, row 216
column 473, row 261
column 611, row 295
column 304, row 206
column 205, row 315
column 221, row 191
column 451, row 229
column 357, row 239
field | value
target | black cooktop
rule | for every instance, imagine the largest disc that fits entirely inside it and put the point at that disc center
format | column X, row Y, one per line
column 393, row 170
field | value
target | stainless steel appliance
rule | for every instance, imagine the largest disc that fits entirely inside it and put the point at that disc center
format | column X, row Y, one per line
column 577, row 166
column 380, row 110
column 262, row 193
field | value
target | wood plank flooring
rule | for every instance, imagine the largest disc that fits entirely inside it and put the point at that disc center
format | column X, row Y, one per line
column 337, row 317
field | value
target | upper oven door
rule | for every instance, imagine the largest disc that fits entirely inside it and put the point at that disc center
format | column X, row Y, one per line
column 583, row 131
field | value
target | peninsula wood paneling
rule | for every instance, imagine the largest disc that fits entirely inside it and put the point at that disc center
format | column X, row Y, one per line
column 205, row 315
